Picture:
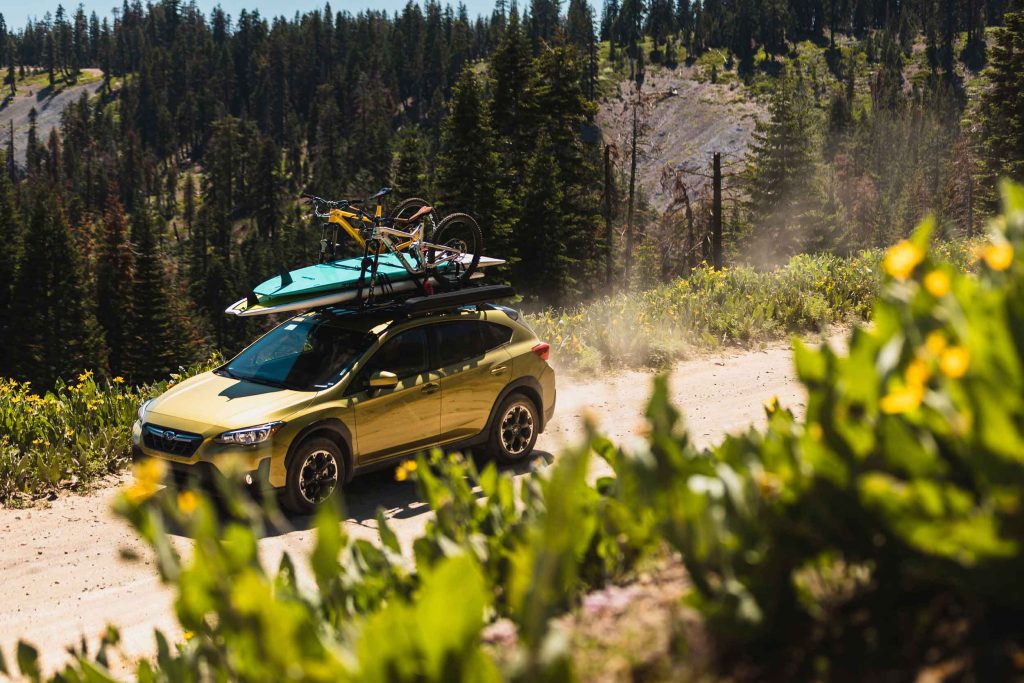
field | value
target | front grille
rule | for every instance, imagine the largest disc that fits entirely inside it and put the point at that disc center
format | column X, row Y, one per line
column 170, row 441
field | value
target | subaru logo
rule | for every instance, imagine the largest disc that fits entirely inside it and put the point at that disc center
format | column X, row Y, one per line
column 170, row 435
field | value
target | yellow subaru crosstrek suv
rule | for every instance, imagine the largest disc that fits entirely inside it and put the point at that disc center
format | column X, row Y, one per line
column 334, row 393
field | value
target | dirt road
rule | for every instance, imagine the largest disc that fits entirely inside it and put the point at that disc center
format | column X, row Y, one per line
column 63, row 575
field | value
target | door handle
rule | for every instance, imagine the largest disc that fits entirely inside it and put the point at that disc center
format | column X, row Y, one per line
column 430, row 387
column 500, row 370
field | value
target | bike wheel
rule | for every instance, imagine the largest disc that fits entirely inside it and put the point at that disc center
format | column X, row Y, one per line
column 410, row 206
column 462, row 233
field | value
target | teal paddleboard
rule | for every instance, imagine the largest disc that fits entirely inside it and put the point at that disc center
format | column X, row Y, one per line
column 335, row 276
column 335, row 283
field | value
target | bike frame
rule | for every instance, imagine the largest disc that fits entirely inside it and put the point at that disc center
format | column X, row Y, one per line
column 404, row 241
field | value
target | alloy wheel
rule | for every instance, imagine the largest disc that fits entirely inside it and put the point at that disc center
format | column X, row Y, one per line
column 318, row 477
column 517, row 429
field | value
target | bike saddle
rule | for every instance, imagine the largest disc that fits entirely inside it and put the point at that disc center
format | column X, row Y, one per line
column 382, row 192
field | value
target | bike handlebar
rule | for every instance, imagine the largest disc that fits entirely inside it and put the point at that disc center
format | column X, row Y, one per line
column 322, row 203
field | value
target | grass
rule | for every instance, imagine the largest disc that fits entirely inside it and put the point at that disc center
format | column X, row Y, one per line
column 40, row 81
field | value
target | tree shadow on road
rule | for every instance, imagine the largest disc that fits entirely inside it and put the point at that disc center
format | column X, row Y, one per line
column 361, row 499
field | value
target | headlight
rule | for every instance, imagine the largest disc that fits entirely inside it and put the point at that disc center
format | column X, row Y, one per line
column 249, row 435
column 142, row 410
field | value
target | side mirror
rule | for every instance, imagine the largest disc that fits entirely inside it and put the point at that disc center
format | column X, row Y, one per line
column 383, row 379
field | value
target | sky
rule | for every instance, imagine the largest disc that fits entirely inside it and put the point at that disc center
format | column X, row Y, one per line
column 17, row 12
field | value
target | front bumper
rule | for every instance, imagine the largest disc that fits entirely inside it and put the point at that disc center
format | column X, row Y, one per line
column 210, row 457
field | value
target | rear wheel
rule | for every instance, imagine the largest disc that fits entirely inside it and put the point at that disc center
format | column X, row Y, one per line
column 316, row 471
column 410, row 206
column 514, row 430
column 462, row 234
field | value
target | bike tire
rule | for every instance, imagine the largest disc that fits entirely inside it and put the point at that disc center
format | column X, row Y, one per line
column 465, row 229
column 410, row 206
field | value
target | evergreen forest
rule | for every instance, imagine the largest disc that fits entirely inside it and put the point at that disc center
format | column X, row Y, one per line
column 171, row 190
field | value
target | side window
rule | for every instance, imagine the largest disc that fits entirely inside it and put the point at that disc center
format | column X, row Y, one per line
column 458, row 342
column 495, row 335
column 406, row 355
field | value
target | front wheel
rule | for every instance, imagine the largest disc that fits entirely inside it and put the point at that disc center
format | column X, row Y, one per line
column 316, row 470
column 461, row 233
column 514, row 431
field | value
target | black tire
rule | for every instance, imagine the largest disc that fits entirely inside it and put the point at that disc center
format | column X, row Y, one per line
column 317, row 457
column 410, row 206
column 509, row 441
column 461, row 231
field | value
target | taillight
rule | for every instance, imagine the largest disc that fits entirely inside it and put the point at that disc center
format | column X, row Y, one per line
column 543, row 350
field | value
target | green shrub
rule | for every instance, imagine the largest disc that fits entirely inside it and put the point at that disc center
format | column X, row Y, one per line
column 655, row 327
column 890, row 517
column 70, row 435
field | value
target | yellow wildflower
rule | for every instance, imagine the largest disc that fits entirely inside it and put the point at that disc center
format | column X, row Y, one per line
column 85, row 375
column 772, row 404
column 188, row 502
column 935, row 342
column 401, row 474
column 901, row 259
column 998, row 256
column 148, row 475
column 917, row 373
column 410, row 465
column 119, row 380
column 954, row 362
column 937, row 283
column 902, row 400
column 188, row 635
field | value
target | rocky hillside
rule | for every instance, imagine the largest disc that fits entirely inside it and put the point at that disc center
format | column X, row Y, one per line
column 685, row 119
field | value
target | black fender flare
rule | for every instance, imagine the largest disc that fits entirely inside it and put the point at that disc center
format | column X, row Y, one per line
column 335, row 427
column 529, row 386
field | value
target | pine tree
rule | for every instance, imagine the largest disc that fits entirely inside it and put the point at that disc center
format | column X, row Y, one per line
column 161, row 335
column 512, row 105
column 1001, row 107
column 410, row 173
column 10, row 237
column 580, row 32
column 544, row 267
column 56, row 334
column 887, row 88
column 467, row 176
column 566, row 110
column 115, row 278
column 780, row 171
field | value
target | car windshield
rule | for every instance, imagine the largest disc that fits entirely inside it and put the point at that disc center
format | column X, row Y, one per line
column 304, row 354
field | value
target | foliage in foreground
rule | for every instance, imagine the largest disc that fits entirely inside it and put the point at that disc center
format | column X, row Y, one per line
column 737, row 305
column 70, row 435
column 876, row 537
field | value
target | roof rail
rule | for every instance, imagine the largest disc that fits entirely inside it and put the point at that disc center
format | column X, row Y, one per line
column 431, row 303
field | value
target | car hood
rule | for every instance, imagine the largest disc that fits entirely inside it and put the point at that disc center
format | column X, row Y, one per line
column 210, row 403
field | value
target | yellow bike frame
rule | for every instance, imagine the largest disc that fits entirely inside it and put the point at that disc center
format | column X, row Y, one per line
column 342, row 217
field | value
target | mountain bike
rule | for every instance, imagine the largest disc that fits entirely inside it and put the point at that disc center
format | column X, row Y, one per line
column 450, row 255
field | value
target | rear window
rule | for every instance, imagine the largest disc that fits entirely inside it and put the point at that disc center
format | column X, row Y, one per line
column 458, row 342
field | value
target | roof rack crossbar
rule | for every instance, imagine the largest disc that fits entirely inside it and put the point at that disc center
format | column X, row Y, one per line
column 431, row 303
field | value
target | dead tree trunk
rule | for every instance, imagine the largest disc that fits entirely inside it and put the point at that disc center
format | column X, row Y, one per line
column 716, row 211
column 608, row 214
column 632, row 192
